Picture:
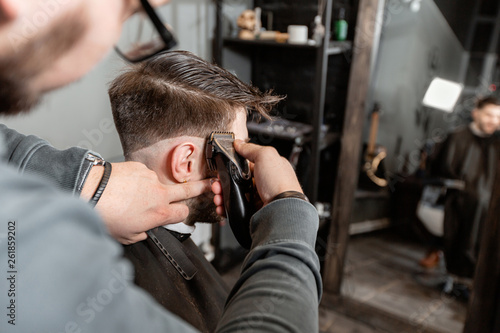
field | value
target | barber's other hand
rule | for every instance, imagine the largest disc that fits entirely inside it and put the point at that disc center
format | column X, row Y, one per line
column 134, row 201
column 273, row 173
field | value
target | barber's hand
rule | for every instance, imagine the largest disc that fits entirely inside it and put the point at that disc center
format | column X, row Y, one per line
column 134, row 201
column 273, row 173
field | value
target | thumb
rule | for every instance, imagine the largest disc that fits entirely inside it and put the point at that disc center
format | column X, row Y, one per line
column 247, row 150
column 179, row 192
column 173, row 213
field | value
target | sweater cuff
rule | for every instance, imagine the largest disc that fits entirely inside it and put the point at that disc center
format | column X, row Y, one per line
column 285, row 220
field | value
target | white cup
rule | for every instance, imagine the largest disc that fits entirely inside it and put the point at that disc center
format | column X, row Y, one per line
column 297, row 34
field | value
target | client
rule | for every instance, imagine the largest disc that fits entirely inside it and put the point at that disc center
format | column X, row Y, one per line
column 164, row 110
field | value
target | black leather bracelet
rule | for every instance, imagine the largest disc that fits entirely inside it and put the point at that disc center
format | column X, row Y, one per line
column 290, row 194
column 102, row 184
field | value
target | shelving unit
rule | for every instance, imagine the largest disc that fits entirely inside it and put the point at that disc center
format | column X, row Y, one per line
column 343, row 133
column 322, row 135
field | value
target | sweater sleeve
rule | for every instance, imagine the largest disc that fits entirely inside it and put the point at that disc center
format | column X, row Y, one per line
column 280, row 284
column 66, row 169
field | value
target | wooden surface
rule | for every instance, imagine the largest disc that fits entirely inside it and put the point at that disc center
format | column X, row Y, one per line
column 348, row 170
column 380, row 292
column 385, row 287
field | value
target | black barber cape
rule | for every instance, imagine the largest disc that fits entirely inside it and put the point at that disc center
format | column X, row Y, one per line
column 175, row 272
column 469, row 157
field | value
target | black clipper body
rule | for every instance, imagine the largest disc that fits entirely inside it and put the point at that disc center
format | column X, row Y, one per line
column 237, row 185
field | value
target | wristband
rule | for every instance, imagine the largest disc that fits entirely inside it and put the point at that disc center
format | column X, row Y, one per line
column 102, row 184
column 290, row 194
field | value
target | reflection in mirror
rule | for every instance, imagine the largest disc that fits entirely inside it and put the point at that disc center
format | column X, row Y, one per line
column 440, row 168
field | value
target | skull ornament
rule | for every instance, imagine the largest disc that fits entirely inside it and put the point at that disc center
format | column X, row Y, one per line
column 247, row 20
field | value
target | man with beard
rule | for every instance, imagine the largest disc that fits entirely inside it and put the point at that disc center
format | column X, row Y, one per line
column 469, row 154
column 66, row 274
column 35, row 58
column 164, row 110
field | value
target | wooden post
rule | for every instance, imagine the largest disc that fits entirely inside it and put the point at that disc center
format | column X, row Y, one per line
column 484, row 306
column 319, row 104
column 218, row 38
column 350, row 150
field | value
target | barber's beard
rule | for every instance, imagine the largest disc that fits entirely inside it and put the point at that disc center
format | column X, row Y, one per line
column 202, row 209
column 16, row 96
column 20, row 67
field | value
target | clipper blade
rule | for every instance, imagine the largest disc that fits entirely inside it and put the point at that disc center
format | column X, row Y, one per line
column 217, row 140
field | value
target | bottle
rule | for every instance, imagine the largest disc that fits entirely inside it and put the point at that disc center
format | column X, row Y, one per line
column 318, row 30
column 341, row 26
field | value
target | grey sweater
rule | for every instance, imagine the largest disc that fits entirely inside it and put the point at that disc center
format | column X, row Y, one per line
column 66, row 169
column 64, row 273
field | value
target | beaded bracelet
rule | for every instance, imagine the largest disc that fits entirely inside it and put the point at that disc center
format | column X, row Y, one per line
column 290, row 194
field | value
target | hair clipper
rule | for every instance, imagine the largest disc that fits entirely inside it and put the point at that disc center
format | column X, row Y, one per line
column 237, row 185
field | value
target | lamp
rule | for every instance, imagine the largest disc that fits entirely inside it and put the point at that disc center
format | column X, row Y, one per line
column 442, row 94
column 413, row 4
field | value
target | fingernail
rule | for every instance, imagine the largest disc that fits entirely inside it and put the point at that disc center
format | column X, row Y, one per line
column 212, row 180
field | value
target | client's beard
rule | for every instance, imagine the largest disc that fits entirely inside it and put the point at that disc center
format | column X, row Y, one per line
column 202, row 209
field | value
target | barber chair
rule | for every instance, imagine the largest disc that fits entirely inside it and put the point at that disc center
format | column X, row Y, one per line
column 430, row 208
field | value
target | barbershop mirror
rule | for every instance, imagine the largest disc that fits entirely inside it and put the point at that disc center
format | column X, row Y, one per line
column 382, row 273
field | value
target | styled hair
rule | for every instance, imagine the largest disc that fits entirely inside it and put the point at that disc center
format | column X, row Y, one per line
column 488, row 100
column 177, row 93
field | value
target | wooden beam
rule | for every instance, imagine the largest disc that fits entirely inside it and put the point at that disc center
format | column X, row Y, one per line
column 484, row 306
column 350, row 150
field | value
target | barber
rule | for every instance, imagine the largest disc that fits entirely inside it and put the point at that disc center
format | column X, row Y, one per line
column 67, row 274
column 123, row 193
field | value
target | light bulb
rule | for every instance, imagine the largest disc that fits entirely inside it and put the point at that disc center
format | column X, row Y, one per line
column 415, row 6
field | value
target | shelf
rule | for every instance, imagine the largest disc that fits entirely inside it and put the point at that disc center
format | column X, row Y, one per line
column 337, row 47
column 486, row 19
column 364, row 194
column 362, row 227
column 334, row 47
column 292, row 131
column 315, row 57
column 282, row 129
column 328, row 139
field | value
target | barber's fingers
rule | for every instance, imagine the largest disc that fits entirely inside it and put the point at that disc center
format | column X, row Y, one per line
column 252, row 166
column 253, row 152
column 185, row 191
column 168, row 214
column 221, row 212
column 133, row 239
column 218, row 198
column 273, row 173
column 217, row 187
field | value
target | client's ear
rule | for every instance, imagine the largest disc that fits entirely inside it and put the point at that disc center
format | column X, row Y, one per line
column 186, row 162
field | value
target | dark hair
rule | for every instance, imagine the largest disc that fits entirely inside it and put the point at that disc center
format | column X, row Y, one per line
column 177, row 93
column 488, row 100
